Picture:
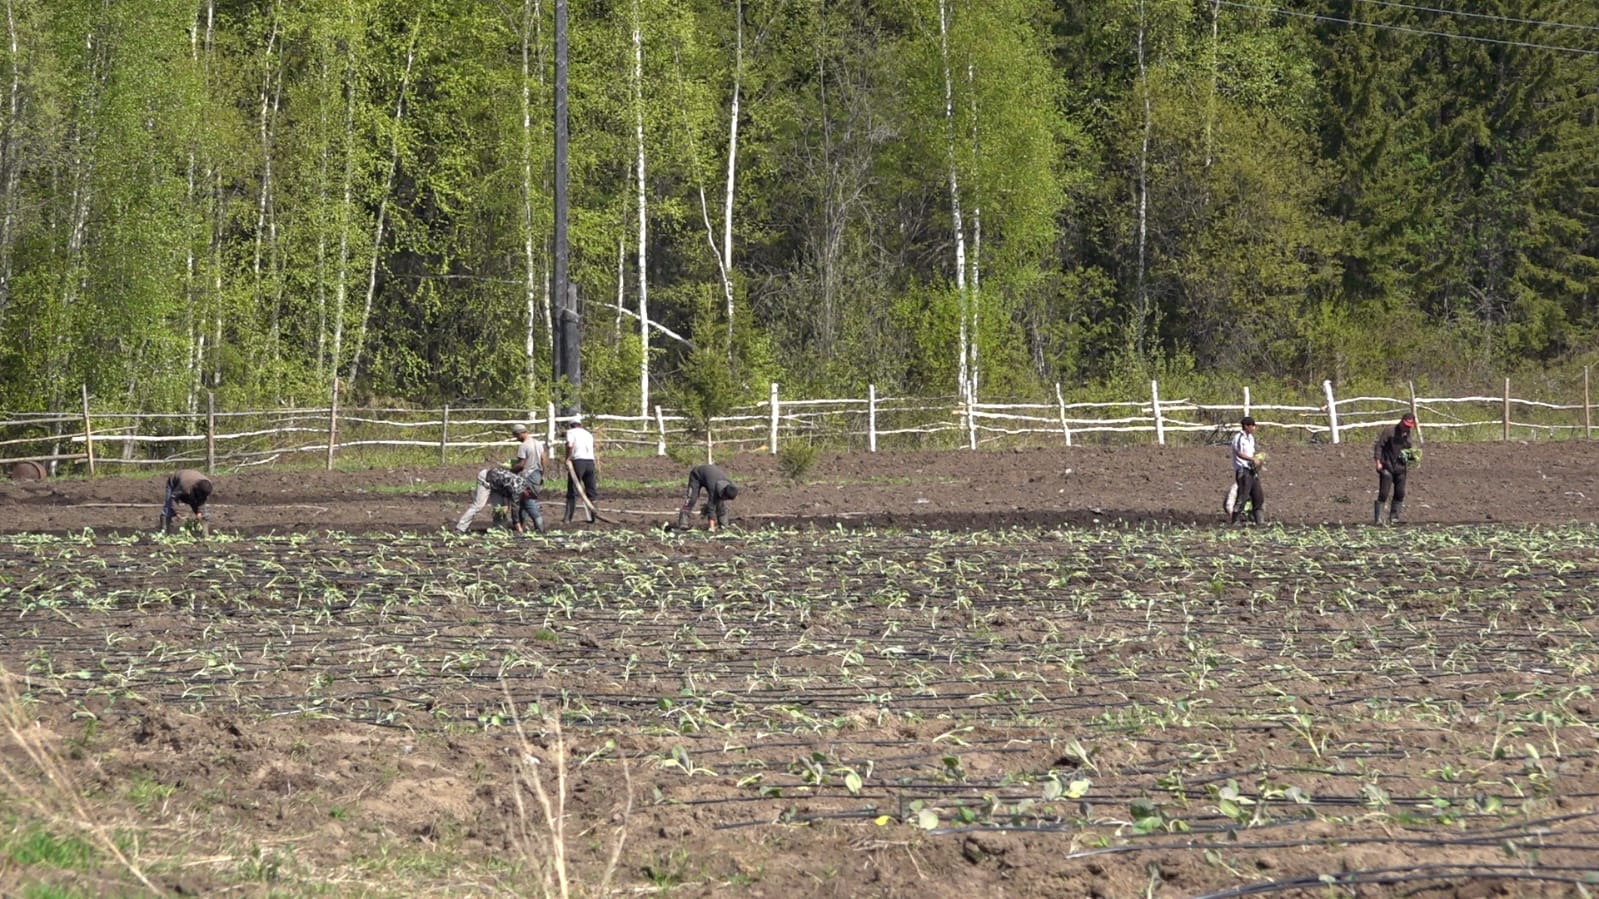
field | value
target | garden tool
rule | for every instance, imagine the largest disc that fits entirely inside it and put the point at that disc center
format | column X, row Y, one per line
column 594, row 514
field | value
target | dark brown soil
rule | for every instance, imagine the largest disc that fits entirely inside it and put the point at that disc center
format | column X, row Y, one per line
column 1552, row 482
column 334, row 695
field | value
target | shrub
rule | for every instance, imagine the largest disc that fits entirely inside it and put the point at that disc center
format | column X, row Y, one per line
column 794, row 460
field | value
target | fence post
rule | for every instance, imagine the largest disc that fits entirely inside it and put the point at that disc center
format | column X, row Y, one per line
column 1505, row 416
column 971, row 414
column 1060, row 403
column 871, row 418
column 549, row 427
column 1420, row 437
column 444, row 433
column 1160, row 421
column 333, row 421
column 88, row 432
column 210, row 432
column 1332, row 409
column 772, row 438
column 710, row 457
column 1587, row 407
column 1246, row 400
column 660, row 429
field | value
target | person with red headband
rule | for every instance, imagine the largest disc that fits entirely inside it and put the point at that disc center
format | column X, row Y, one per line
column 1392, row 454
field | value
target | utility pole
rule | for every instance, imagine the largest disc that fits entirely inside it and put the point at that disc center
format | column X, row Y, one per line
column 568, row 340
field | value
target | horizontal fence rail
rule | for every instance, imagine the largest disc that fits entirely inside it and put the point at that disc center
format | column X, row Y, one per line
column 236, row 439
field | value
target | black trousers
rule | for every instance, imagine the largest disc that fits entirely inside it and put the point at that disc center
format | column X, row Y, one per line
column 584, row 469
column 714, row 499
column 1249, row 488
column 1394, row 479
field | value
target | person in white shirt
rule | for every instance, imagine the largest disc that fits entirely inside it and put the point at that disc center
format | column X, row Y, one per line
column 585, row 468
column 1246, row 472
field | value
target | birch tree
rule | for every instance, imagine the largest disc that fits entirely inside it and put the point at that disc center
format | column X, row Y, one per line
column 643, row 214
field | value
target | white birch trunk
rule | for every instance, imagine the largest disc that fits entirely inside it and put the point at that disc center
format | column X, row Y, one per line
column 1139, row 334
column 958, row 226
column 535, row 297
column 193, row 326
column 347, row 202
column 383, row 206
column 975, row 280
column 266, row 223
column 10, row 163
column 621, row 275
column 732, row 166
column 1210, row 107
column 82, row 165
column 643, row 217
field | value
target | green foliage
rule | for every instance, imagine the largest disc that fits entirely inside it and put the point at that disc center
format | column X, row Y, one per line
column 34, row 845
column 257, row 203
column 795, row 459
column 706, row 387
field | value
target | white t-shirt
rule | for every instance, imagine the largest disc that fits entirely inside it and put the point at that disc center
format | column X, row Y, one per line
column 1243, row 444
column 579, row 444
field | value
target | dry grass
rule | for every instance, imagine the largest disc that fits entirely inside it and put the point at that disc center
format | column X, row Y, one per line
column 46, row 790
column 545, row 841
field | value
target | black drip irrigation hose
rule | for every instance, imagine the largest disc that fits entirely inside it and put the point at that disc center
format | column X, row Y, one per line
column 1543, row 874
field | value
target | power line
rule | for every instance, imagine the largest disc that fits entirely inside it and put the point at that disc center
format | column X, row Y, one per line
column 1320, row 17
column 1511, row 20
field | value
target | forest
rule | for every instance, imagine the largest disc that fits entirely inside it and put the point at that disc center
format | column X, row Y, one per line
column 270, row 200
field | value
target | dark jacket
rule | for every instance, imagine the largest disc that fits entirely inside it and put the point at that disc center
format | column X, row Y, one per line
column 710, row 477
column 1390, row 447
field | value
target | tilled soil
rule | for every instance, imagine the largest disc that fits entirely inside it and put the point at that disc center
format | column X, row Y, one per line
column 909, row 674
column 1551, row 482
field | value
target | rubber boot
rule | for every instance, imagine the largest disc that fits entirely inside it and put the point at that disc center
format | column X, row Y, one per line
column 1376, row 512
column 1258, row 517
column 166, row 524
column 1395, row 512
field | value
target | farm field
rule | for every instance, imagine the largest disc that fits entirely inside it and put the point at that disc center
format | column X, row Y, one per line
column 918, row 674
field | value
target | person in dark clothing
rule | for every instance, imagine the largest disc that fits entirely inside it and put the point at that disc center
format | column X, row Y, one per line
column 718, row 487
column 1246, row 473
column 190, row 487
column 1392, row 454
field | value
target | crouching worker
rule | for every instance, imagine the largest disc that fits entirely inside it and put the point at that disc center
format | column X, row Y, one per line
column 190, row 487
column 718, row 487
column 510, row 488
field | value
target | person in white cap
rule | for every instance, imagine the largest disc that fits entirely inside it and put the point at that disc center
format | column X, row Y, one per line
column 585, row 468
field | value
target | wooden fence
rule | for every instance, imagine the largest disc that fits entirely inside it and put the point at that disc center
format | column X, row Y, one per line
column 239, row 439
